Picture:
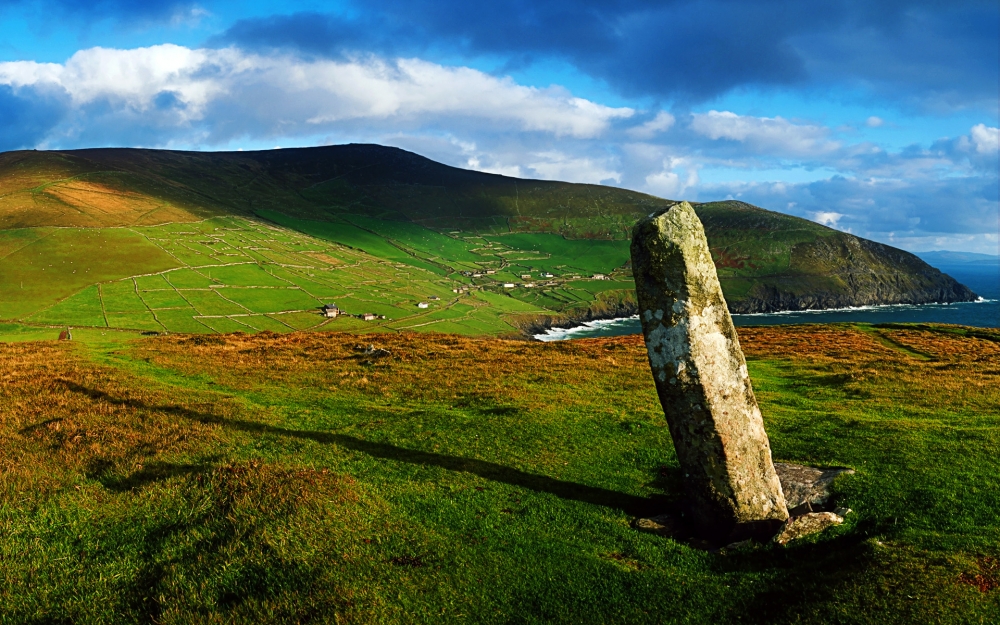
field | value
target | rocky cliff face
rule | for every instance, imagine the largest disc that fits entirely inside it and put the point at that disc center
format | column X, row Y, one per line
column 843, row 270
column 769, row 262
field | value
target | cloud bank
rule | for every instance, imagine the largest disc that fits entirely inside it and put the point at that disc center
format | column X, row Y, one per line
column 211, row 96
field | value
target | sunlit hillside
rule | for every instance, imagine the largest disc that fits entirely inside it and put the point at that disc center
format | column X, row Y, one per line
column 216, row 242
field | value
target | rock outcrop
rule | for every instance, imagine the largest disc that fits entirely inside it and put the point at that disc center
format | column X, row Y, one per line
column 701, row 378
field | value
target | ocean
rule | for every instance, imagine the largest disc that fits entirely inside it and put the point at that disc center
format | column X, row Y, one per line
column 984, row 279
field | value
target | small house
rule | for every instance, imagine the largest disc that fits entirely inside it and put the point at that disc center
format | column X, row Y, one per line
column 547, row 275
column 330, row 310
column 423, row 305
column 508, row 285
column 599, row 276
column 490, row 272
column 433, row 298
column 369, row 316
column 526, row 276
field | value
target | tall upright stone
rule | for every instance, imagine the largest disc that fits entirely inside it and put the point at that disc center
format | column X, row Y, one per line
column 702, row 381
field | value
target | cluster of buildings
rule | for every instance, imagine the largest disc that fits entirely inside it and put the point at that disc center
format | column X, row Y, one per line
column 332, row 311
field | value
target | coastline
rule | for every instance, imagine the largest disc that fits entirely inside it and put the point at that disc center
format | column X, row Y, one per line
column 560, row 331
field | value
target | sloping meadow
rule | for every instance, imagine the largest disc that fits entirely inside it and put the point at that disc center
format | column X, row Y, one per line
column 323, row 477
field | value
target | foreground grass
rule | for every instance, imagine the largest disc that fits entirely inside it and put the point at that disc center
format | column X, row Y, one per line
column 299, row 478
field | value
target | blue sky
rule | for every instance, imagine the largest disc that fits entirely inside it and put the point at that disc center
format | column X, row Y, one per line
column 878, row 118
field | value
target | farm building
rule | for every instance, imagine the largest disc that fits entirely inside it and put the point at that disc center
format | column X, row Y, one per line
column 508, row 285
column 423, row 305
column 369, row 316
column 330, row 310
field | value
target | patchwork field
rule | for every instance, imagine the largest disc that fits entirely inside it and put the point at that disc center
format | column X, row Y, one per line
column 277, row 233
column 230, row 274
column 305, row 478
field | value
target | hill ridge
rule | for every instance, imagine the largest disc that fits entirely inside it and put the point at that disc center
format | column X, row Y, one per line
column 405, row 208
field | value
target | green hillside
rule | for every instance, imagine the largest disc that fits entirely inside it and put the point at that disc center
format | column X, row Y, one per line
column 216, row 242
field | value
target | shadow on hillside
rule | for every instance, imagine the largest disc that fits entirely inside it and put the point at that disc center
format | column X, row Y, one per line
column 630, row 504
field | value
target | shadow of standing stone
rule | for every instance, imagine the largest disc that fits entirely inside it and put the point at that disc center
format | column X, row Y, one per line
column 807, row 485
column 733, row 491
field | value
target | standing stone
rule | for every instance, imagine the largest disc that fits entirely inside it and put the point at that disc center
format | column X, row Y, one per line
column 702, row 381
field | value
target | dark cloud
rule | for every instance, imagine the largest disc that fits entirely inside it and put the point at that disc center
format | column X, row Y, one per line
column 27, row 115
column 935, row 54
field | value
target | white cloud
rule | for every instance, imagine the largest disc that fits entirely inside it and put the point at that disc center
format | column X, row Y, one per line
column 289, row 95
column 553, row 165
column 764, row 134
column 985, row 139
column 827, row 218
column 661, row 123
column 514, row 171
column 675, row 178
column 874, row 122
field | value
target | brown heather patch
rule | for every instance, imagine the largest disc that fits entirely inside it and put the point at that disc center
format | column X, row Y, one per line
column 888, row 365
column 86, row 195
column 418, row 366
column 946, row 346
column 812, row 342
column 61, row 416
column 987, row 578
column 326, row 258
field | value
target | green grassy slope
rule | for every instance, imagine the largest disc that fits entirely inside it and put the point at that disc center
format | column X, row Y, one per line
column 295, row 478
column 410, row 212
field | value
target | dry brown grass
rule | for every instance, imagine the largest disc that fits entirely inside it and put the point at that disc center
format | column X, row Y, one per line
column 61, row 416
column 418, row 367
column 430, row 366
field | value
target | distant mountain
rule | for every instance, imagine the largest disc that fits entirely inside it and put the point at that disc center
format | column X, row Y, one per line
column 767, row 261
column 944, row 258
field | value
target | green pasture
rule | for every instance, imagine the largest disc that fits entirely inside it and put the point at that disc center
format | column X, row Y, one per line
column 559, row 255
column 355, row 237
column 176, row 277
column 427, row 243
column 65, row 260
column 163, row 299
column 265, row 300
column 138, row 321
column 474, row 481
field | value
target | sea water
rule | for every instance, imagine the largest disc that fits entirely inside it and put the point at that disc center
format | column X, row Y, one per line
column 985, row 313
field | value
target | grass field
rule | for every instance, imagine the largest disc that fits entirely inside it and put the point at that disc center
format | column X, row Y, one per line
column 206, row 276
column 294, row 478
